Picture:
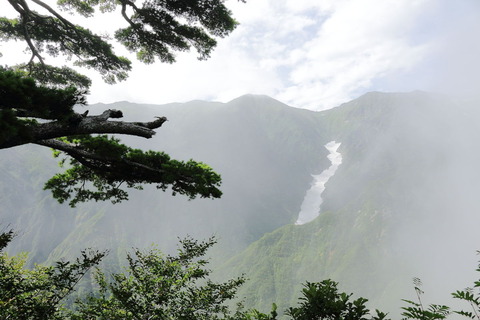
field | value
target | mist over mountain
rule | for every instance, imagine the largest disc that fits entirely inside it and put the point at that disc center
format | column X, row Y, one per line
column 403, row 202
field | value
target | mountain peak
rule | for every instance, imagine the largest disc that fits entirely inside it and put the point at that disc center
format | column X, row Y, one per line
column 255, row 100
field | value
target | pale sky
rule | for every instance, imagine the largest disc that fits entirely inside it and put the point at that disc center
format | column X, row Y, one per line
column 317, row 54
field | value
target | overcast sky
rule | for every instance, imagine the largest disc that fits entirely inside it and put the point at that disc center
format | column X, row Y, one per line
column 317, row 54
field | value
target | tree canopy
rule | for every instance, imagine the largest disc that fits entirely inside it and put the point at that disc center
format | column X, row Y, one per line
column 37, row 99
column 157, row 286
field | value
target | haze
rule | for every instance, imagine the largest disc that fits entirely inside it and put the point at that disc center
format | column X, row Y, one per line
column 408, row 160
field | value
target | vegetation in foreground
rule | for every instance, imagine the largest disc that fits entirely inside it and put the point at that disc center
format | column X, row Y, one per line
column 158, row 286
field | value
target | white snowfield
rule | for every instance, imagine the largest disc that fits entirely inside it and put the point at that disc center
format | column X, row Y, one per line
column 312, row 201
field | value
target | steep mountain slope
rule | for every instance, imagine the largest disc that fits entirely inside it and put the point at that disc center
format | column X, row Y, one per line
column 403, row 203
column 264, row 150
column 40, row 223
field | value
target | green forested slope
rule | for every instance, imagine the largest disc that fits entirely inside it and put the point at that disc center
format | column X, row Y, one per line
column 400, row 205
column 403, row 203
column 264, row 150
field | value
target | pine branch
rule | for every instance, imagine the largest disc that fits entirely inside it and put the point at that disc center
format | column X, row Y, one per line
column 78, row 124
column 94, row 160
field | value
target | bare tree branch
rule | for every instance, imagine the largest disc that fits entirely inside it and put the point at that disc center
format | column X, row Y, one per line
column 24, row 10
column 53, row 12
column 17, row 6
column 125, row 16
column 79, row 124
column 32, row 47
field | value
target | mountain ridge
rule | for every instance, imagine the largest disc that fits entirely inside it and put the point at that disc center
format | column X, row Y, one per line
column 397, row 149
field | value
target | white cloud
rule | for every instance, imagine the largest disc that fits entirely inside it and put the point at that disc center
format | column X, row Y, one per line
column 318, row 54
column 359, row 42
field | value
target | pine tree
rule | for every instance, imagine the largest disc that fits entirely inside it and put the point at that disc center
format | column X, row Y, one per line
column 37, row 99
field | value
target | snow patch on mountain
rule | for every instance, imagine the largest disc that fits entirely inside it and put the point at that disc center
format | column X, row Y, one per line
column 312, row 201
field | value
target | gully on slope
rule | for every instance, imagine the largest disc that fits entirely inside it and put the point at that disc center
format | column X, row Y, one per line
column 312, row 201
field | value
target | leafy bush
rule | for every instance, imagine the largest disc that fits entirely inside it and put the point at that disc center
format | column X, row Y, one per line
column 158, row 286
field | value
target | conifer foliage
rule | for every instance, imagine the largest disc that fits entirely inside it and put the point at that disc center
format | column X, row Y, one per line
column 37, row 99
